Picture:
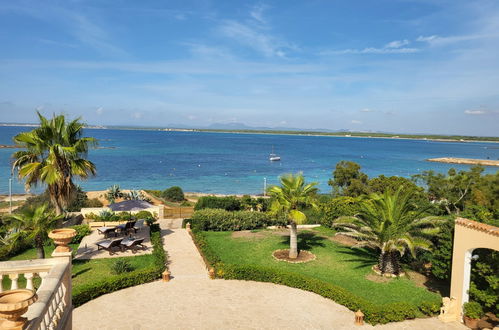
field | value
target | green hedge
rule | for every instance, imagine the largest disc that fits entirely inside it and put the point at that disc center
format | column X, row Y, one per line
column 221, row 220
column 374, row 314
column 81, row 231
column 229, row 203
column 87, row 292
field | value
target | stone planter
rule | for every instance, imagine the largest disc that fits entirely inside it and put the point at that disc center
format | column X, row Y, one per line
column 471, row 323
column 13, row 304
column 62, row 237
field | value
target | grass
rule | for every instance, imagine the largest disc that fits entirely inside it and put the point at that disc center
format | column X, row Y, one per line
column 84, row 271
column 337, row 264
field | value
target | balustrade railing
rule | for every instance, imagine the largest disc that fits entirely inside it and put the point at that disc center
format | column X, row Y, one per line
column 51, row 279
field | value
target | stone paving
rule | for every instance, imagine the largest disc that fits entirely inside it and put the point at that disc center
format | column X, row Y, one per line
column 88, row 248
column 192, row 301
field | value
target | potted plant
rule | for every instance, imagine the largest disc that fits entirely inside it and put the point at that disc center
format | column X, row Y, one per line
column 473, row 312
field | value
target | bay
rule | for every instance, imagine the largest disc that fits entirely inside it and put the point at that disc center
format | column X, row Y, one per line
column 233, row 163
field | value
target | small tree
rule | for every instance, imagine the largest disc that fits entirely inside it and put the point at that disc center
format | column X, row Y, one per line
column 33, row 224
column 292, row 195
column 348, row 180
column 174, row 194
column 392, row 225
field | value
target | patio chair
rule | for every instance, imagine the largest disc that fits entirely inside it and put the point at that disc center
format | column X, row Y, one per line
column 109, row 245
column 107, row 231
column 127, row 227
column 133, row 244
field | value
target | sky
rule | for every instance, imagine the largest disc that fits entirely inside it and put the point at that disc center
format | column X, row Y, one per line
column 426, row 66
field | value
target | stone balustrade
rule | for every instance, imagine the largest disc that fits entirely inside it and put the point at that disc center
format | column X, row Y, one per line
column 53, row 308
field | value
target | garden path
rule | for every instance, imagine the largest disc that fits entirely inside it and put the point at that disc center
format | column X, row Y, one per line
column 192, row 301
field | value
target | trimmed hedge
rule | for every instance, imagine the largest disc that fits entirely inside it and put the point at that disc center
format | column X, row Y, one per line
column 374, row 314
column 87, row 292
column 221, row 220
column 228, row 203
column 81, row 231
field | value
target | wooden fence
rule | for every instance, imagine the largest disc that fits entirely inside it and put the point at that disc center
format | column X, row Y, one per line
column 178, row 212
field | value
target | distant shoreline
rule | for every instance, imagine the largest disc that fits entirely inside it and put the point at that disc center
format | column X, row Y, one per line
column 422, row 137
column 465, row 161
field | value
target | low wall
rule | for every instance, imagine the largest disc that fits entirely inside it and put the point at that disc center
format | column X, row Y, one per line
column 158, row 210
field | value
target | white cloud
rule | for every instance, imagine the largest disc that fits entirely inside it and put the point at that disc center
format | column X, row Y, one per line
column 191, row 117
column 366, row 110
column 137, row 115
column 435, row 40
column 99, row 110
column 254, row 38
column 397, row 43
column 257, row 13
column 427, row 39
column 393, row 47
column 356, row 122
column 475, row 112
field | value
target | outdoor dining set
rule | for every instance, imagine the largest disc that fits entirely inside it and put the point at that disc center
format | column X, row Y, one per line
column 121, row 243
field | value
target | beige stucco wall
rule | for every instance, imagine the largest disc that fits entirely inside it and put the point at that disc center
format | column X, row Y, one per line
column 469, row 235
column 158, row 210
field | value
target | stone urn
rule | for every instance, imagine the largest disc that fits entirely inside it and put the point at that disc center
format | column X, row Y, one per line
column 13, row 304
column 62, row 237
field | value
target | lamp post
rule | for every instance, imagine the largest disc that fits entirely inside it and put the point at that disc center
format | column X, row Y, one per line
column 10, row 195
column 264, row 186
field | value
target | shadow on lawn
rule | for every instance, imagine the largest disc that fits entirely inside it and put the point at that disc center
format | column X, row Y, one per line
column 81, row 272
column 306, row 240
column 364, row 257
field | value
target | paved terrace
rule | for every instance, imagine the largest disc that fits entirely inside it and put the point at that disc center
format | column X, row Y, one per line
column 192, row 301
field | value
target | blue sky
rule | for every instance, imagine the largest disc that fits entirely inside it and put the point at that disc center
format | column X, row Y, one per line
column 429, row 66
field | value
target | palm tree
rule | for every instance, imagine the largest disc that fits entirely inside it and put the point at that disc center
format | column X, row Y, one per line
column 292, row 195
column 32, row 224
column 391, row 224
column 53, row 154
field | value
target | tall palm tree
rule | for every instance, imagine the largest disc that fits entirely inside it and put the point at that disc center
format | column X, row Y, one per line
column 391, row 224
column 288, row 198
column 53, row 154
column 32, row 224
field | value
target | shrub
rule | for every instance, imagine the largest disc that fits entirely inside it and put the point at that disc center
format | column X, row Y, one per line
column 143, row 215
column 374, row 313
column 221, row 220
column 338, row 207
column 174, row 194
column 473, row 310
column 121, row 266
column 94, row 202
column 87, row 292
column 229, row 203
column 81, row 231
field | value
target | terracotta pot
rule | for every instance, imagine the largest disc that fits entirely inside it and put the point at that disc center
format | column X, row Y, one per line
column 471, row 323
column 13, row 304
column 62, row 237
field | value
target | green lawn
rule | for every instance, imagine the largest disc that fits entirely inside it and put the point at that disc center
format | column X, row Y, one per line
column 84, row 271
column 335, row 263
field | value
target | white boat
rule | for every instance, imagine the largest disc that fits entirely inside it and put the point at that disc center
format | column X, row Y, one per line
column 274, row 157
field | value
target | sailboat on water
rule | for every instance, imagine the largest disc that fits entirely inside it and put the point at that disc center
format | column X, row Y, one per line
column 273, row 157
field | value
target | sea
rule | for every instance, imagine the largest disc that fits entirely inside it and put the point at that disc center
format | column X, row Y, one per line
column 237, row 163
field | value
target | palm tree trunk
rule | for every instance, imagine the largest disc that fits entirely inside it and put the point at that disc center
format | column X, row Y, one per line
column 293, row 241
column 394, row 262
column 40, row 252
column 389, row 262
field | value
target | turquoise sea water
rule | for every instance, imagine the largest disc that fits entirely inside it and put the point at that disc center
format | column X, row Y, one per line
column 238, row 163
